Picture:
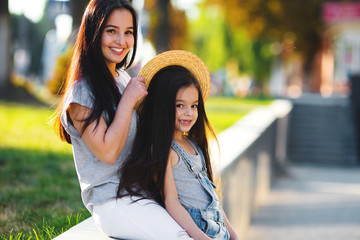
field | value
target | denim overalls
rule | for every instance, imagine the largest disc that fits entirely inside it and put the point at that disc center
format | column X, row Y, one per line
column 211, row 219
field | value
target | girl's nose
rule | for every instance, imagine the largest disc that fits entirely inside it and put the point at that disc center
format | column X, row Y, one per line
column 188, row 111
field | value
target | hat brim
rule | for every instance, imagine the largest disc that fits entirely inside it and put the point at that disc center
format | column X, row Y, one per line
column 182, row 58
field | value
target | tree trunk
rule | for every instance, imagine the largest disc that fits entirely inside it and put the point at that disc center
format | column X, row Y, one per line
column 162, row 31
column 4, row 46
column 77, row 10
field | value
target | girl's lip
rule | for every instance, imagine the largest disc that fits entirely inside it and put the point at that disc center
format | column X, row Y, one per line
column 185, row 122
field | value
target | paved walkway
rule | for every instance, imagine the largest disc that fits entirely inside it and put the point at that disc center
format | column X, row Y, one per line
column 312, row 202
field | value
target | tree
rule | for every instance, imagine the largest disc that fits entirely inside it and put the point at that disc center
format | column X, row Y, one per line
column 167, row 26
column 4, row 46
column 274, row 20
column 77, row 10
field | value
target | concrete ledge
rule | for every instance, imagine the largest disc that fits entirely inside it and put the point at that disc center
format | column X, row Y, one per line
column 86, row 230
column 234, row 140
column 250, row 152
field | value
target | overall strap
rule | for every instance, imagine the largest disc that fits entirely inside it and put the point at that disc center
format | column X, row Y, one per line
column 200, row 175
column 197, row 149
column 192, row 167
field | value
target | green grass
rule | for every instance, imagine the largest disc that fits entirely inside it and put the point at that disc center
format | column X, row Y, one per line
column 39, row 186
column 222, row 112
column 39, row 190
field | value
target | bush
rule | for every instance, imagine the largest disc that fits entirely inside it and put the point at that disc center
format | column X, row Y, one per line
column 57, row 81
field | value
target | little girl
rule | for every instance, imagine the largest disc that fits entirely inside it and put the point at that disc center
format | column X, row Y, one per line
column 170, row 160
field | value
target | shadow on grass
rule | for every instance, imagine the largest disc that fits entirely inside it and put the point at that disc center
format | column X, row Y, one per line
column 37, row 188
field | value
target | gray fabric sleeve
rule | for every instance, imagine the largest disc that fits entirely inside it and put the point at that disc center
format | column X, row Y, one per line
column 80, row 94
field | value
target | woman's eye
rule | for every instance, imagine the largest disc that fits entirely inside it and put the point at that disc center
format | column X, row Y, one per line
column 129, row 33
column 179, row 105
column 111, row 31
column 194, row 106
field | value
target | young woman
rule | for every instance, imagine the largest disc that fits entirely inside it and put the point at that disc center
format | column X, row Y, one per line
column 170, row 160
column 96, row 115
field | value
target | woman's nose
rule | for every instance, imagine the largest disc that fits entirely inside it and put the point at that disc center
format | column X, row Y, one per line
column 120, row 39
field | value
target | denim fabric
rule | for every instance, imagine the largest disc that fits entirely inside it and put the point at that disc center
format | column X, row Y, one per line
column 211, row 219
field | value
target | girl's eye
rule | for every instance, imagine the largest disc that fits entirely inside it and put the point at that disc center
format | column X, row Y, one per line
column 111, row 31
column 194, row 106
column 129, row 33
column 179, row 105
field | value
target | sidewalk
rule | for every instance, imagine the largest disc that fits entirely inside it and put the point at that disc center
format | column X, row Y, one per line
column 312, row 202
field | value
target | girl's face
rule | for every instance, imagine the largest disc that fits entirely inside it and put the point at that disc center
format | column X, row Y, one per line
column 186, row 104
column 117, row 38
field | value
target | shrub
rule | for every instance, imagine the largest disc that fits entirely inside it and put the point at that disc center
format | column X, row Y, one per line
column 56, row 83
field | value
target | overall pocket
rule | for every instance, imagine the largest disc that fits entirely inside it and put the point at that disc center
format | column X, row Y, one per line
column 212, row 227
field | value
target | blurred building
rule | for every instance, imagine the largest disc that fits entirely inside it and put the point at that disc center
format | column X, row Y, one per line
column 339, row 56
column 325, row 122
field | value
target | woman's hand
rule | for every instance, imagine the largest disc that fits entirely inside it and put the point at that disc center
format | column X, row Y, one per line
column 135, row 90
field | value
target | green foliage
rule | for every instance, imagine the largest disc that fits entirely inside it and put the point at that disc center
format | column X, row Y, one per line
column 263, row 58
column 273, row 20
column 57, row 81
column 240, row 49
column 209, row 38
column 217, row 42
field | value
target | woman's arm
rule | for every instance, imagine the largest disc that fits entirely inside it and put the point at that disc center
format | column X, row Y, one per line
column 107, row 142
column 233, row 235
column 174, row 207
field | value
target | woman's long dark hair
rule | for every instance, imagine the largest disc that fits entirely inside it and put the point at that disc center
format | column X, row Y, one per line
column 88, row 63
column 143, row 172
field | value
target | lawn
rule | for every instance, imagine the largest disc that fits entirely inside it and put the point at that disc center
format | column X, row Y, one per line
column 224, row 111
column 39, row 190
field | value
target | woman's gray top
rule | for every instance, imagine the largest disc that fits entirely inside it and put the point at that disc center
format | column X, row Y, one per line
column 98, row 180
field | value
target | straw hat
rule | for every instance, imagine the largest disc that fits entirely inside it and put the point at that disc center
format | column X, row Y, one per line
column 182, row 58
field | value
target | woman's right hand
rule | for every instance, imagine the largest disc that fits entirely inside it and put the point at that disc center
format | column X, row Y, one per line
column 135, row 90
column 106, row 142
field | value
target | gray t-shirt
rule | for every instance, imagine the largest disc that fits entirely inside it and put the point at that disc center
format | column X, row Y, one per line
column 98, row 180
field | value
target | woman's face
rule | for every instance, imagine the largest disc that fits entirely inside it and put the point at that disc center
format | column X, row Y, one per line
column 117, row 38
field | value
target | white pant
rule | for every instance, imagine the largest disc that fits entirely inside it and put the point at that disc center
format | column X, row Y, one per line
column 141, row 220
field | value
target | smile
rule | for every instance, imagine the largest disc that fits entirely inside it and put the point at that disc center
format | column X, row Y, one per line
column 185, row 122
column 117, row 50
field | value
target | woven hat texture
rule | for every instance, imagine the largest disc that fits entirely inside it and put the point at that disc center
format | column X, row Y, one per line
column 182, row 58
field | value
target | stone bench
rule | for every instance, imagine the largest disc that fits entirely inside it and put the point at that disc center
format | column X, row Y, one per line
column 86, row 230
column 249, row 151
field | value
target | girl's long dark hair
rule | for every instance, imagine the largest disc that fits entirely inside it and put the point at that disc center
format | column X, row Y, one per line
column 88, row 63
column 143, row 172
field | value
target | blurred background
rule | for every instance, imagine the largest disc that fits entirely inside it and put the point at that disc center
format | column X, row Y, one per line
column 306, row 52
column 264, row 47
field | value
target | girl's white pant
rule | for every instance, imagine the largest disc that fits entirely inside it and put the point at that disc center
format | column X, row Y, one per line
column 144, row 219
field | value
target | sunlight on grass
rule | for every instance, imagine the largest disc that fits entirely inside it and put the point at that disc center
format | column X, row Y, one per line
column 28, row 127
column 37, row 175
column 223, row 112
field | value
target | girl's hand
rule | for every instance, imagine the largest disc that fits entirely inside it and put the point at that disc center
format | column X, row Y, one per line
column 135, row 90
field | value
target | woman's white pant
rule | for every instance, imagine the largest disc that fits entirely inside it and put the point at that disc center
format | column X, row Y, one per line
column 144, row 219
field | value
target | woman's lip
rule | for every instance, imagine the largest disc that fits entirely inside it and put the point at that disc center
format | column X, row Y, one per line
column 117, row 52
